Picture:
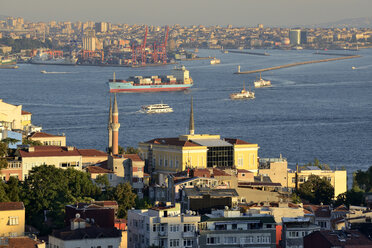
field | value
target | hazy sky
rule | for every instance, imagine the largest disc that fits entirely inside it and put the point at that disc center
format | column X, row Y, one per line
column 187, row 12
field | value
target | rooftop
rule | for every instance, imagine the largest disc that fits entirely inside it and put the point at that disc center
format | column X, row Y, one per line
column 6, row 206
column 49, row 151
column 86, row 233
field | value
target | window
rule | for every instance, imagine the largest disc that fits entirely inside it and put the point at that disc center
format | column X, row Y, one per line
column 213, row 240
column 322, row 224
column 230, row 240
column 13, row 221
column 188, row 228
column 174, row 243
column 188, row 242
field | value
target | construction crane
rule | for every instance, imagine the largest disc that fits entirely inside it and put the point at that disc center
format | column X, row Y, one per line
column 162, row 53
column 140, row 51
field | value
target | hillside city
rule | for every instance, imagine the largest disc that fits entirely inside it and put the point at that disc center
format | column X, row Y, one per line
column 193, row 190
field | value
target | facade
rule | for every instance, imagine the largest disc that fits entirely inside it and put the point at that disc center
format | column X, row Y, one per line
column 89, row 41
column 295, row 36
column 337, row 178
column 322, row 215
column 92, row 156
column 275, row 168
column 12, row 219
column 48, row 139
column 14, row 169
column 294, row 229
column 80, row 234
column 134, row 172
column 60, row 156
column 162, row 226
column 10, row 115
column 228, row 228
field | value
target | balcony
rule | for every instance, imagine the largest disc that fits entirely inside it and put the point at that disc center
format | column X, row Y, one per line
column 188, row 234
column 162, row 234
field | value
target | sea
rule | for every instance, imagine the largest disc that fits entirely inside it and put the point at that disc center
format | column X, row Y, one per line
column 321, row 110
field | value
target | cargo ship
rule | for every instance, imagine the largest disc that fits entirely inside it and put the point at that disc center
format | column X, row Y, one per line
column 181, row 80
column 8, row 63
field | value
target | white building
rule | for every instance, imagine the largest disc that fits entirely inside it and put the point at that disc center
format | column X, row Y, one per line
column 81, row 234
column 162, row 226
column 294, row 230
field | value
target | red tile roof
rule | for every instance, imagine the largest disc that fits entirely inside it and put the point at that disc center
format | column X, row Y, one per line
column 91, row 153
column 219, row 173
column 322, row 211
column 244, row 171
column 49, row 151
column 5, row 206
column 97, row 170
column 25, row 113
column 133, row 157
column 43, row 135
column 22, row 242
column 171, row 141
column 236, row 141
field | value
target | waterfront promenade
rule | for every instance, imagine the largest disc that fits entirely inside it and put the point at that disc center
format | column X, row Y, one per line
column 296, row 64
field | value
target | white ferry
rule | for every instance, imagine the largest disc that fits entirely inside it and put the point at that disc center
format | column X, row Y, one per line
column 261, row 83
column 157, row 108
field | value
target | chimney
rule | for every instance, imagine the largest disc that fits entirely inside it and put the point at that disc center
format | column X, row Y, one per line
column 70, row 148
column 31, row 149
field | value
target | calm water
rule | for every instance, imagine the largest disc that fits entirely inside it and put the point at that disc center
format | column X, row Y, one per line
column 320, row 110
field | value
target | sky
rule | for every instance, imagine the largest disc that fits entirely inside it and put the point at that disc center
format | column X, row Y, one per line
column 190, row 12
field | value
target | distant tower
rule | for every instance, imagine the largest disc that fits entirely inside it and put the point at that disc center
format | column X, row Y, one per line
column 115, row 128
column 191, row 124
column 109, row 128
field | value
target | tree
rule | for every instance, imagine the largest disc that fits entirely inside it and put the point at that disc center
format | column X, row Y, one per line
column 143, row 203
column 125, row 198
column 3, row 195
column 128, row 150
column 30, row 142
column 316, row 190
column 48, row 190
column 13, row 189
column 3, row 154
column 363, row 179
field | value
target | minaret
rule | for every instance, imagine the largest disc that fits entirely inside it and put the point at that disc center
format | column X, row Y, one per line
column 115, row 128
column 109, row 128
column 191, row 125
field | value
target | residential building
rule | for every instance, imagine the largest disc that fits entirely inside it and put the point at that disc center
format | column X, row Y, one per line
column 13, row 169
column 134, row 168
column 89, row 40
column 59, row 156
column 83, row 235
column 275, row 168
column 162, row 226
column 92, row 156
column 337, row 178
column 332, row 239
column 12, row 219
column 10, row 115
column 203, row 199
column 294, row 230
column 48, row 139
column 229, row 228
column 321, row 215
column 93, row 213
column 21, row 242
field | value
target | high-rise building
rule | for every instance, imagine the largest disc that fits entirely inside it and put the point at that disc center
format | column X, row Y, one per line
column 101, row 27
column 89, row 40
column 303, row 37
column 295, row 36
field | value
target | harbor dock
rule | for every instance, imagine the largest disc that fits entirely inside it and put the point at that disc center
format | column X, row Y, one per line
column 296, row 64
column 251, row 53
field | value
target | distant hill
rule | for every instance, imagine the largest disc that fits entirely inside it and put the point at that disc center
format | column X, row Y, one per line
column 365, row 22
column 3, row 17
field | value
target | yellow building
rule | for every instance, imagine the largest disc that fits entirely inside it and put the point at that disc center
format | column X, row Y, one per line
column 169, row 155
column 26, row 118
column 338, row 178
column 275, row 168
column 12, row 219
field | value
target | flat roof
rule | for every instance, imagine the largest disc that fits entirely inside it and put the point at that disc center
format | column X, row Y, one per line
column 211, row 142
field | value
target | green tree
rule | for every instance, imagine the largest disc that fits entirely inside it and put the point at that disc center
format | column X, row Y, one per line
column 351, row 197
column 316, row 190
column 3, row 195
column 13, row 189
column 3, row 154
column 48, row 190
column 363, row 179
column 30, row 142
column 128, row 150
column 125, row 198
column 143, row 203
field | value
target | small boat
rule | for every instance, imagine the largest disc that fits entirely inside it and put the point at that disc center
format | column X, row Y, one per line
column 243, row 94
column 215, row 61
column 261, row 83
column 157, row 108
column 353, row 67
column 43, row 71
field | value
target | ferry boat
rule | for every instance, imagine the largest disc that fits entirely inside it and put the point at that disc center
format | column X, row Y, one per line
column 261, row 83
column 157, row 108
column 181, row 80
column 215, row 61
column 243, row 94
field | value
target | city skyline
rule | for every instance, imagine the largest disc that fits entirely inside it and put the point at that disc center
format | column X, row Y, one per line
column 206, row 12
